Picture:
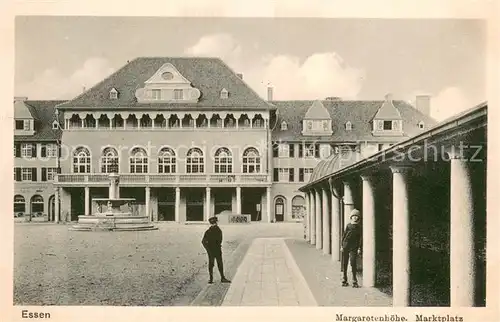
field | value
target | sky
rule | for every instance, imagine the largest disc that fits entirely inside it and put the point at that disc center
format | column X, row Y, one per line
column 302, row 58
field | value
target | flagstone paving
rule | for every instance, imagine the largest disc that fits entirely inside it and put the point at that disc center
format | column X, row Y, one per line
column 269, row 276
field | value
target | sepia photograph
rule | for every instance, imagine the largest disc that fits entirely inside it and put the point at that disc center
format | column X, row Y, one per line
column 250, row 161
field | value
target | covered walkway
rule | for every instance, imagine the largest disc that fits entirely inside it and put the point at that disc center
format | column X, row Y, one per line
column 423, row 204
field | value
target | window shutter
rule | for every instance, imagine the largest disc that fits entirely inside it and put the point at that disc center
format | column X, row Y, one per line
column 275, row 150
column 44, row 174
column 301, row 174
column 18, row 174
column 291, row 150
column 33, row 153
column 301, row 150
column 316, row 150
column 276, row 175
column 43, row 151
column 58, row 151
column 18, row 150
column 33, row 174
column 291, row 174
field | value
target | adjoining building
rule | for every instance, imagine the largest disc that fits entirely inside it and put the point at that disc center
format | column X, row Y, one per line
column 191, row 139
column 423, row 205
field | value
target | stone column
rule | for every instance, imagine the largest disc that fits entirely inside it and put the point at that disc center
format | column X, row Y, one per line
column 312, row 219
column 400, row 237
column 268, row 204
column 208, row 207
column 368, row 218
column 238, row 200
column 335, row 223
column 348, row 203
column 462, row 250
column 56, row 206
column 87, row 201
column 326, row 221
column 319, row 217
column 148, row 201
column 306, row 218
column 177, row 204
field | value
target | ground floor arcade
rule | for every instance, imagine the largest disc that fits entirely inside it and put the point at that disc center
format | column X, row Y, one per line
column 423, row 214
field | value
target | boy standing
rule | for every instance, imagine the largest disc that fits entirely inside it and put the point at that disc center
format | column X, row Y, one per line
column 351, row 247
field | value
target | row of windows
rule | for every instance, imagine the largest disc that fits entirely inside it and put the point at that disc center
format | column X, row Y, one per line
column 36, row 204
column 167, row 161
column 288, row 174
column 31, row 174
column 30, row 150
column 311, row 150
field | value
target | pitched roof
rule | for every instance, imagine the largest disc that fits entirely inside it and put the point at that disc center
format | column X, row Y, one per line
column 21, row 111
column 359, row 113
column 209, row 75
column 43, row 113
column 317, row 112
column 387, row 112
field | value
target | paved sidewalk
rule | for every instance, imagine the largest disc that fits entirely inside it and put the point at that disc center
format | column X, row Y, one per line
column 269, row 276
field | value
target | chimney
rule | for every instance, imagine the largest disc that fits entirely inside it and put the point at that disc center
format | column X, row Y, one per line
column 240, row 76
column 20, row 98
column 83, row 89
column 269, row 93
column 423, row 104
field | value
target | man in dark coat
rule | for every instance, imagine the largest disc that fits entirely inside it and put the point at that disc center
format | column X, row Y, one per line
column 351, row 247
column 212, row 241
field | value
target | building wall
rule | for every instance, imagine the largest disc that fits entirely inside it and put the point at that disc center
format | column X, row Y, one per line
column 181, row 141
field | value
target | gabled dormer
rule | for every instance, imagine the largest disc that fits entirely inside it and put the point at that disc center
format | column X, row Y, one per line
column 24, row 123
column 387, row 121
column 167, row 85
column 113, row 94
column 317, row 121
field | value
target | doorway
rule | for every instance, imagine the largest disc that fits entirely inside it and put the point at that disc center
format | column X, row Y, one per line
column 251, row 203
column 166, row 204
column 223, row 200
column 194, row 204
column 77, row 203
column 279, row 209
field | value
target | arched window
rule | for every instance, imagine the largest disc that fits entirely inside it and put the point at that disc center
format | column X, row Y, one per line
column 19, row 204
column 223, row 161
column 81, row 160
column 251, row 161
column 109, row 161
column 195, row 161
column 279, row 209
column 298, row 207
column 138, row 161
column 36, row 204
column 166, row 161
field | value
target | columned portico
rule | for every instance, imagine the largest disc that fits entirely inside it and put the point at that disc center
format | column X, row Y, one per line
column 348, row 203
column 462, row 254
column 319, row 217
column 87, row 201
column 368, row 218
column 400, row 237
column 312, row 229
column 177, row 204
column 326, row 221
column 335, row 221
column 238, row 200
column 208, row 207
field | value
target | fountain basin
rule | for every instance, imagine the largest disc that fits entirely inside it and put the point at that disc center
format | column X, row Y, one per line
column 116, row 222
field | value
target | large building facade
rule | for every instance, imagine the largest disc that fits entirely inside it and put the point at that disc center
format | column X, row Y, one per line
column 190, row 139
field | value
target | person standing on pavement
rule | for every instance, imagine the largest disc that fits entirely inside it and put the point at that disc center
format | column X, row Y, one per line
column 351, row 247
column 212, row 241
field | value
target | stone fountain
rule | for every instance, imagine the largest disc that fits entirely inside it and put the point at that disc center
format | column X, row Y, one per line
column 111, row 215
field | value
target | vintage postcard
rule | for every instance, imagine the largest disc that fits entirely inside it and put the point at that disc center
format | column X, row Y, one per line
column 291, row 166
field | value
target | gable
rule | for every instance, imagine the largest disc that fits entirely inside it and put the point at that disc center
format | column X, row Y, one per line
column 387, row 112
column 317, row 111
column 21, row 111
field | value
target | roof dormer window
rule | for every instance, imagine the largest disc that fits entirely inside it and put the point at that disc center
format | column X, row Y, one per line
column 284, row 126
column 55, row 125
column 113, row 94
column 421, row 125
column 348, row 126
column 224, row 93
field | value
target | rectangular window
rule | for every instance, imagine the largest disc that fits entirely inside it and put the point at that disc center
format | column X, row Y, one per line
column 283, row 150
column 27, row 125
column 283, row 174
column 307, row 174
column 26, row 174
column 26, row 150
column 49, row 150
column 19, row 125
column 310, row 151
column 387, row 125
column 325, row 151
column 178, row 94
column 156, row 94
column 51, row 174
